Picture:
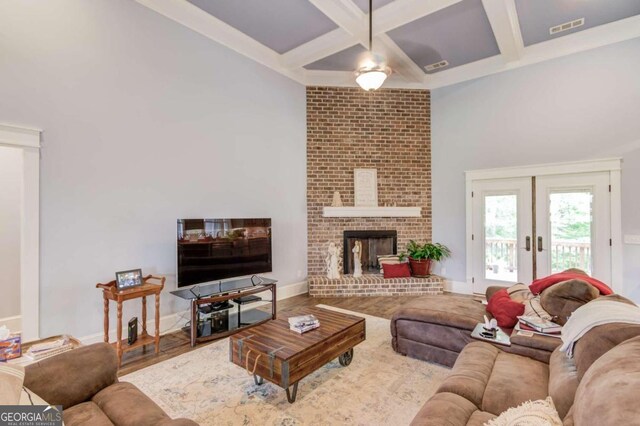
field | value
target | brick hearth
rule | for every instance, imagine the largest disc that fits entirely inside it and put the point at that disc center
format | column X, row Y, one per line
column 389, row 130
column 374, row 285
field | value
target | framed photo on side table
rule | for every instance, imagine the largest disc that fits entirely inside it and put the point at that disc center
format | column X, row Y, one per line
column 129, row 279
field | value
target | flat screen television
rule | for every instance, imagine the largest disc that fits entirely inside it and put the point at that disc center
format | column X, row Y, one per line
column 213, row 249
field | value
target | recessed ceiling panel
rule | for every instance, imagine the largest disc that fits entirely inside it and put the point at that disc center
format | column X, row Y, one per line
column 278, row 24
column 346, row 60
column 459, row 34
column 364, row 4
column 537, row 16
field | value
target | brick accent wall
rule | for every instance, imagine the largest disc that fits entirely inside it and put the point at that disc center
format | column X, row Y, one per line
column 348, row 128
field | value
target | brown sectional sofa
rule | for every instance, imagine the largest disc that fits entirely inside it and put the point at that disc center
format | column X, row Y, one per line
column 598, row 387
column 85, row 382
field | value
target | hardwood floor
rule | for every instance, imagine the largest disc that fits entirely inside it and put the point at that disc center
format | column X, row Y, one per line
column 177, row 343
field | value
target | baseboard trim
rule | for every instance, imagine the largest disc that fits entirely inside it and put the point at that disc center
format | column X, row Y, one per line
column 173, row 322
column 459, row 287
column 14, row 324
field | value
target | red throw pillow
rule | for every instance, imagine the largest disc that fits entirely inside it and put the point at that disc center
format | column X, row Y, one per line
column 539, row 285
column 504, row 310
column 401, row 270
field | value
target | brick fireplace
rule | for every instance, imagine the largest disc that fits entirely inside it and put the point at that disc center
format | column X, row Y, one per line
column 389, row 130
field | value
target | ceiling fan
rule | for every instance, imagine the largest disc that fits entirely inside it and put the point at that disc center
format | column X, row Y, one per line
column 372, row 70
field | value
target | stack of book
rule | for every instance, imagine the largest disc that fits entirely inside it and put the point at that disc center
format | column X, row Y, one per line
column 539, row 326
column 303, row 323
column 49, row 349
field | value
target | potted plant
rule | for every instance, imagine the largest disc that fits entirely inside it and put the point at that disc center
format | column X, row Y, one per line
column 421, row 256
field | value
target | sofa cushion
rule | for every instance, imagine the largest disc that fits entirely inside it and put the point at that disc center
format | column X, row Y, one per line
column 472, row 372
column 514, row 379
column 125, row 405
column 87, row 413
column 445, row 409
column 562, row 299
column 83, row 371
column 563, row 381
column 504, row 310
column 608, row 392
column 598, row 341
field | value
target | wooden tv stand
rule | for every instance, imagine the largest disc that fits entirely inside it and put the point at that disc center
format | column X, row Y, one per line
column 217, row 298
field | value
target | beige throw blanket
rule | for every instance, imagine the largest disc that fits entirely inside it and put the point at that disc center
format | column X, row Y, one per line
column 593, row 314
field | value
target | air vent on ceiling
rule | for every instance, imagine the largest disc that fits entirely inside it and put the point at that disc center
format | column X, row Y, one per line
column 436, row 66
column 566, row 26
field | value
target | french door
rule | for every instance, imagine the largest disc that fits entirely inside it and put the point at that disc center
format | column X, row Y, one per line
column 528, row 227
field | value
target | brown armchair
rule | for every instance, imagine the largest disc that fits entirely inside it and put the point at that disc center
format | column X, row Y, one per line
column 85, row 382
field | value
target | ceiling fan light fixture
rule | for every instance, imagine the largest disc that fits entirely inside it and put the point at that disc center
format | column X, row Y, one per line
column 372, row 78
column 373, row 71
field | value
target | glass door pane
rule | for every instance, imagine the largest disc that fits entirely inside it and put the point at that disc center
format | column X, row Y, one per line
column 501, row 237
column 501, row 225
column 573, row 225
column 571, row 218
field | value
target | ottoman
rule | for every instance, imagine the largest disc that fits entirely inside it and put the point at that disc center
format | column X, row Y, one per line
column 437, row 328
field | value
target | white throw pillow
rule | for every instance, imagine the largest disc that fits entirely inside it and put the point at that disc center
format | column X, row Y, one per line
column 530, row 413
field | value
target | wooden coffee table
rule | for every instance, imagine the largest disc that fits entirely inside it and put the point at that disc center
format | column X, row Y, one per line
column 272, row 352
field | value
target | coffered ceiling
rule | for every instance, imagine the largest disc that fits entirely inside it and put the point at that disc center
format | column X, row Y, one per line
column 319, row 42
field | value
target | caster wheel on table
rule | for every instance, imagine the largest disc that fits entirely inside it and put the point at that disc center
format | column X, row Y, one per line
column 346, row 358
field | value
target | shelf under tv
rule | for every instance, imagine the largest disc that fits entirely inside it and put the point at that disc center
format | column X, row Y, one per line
column 200, row 331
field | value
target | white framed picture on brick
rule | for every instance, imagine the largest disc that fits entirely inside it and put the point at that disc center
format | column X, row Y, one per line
column 365, row 182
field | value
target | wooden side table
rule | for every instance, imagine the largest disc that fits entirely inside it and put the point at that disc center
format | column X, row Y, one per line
column 152, row 286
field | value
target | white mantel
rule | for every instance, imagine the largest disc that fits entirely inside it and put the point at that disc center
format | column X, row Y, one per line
column 371, row 212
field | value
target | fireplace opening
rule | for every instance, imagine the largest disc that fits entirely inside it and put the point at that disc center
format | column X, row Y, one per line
column 374, row 244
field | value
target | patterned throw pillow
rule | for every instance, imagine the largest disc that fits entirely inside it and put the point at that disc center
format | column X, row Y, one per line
column 530, row 413
column 11, row 379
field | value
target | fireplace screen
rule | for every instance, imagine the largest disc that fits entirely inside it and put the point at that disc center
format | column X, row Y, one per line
column 374, row 244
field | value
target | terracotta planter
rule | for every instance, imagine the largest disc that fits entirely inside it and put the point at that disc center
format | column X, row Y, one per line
column 420, row 268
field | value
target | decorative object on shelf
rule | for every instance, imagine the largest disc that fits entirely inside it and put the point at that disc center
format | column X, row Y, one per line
column 132, row 329
column 151, row 285
column 337, row 200
column 365, row 183
column 128, row 279
column 422, row 255
column 357, row 259
column 372, row 70
column 333, row 261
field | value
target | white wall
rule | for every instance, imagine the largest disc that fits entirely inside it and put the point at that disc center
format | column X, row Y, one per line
column 584, row 106
column 10, row 199
column 144, row 122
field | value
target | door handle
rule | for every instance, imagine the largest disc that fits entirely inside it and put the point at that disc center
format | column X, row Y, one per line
column 539, row 243
column 527, row 243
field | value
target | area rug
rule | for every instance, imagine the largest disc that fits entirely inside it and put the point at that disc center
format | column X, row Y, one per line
column 380, row 387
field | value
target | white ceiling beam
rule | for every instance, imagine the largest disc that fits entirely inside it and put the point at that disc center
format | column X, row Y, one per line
column 349, row 17
column 592, row 38
column 401, row 12
column 398, row 60
column 345, row 14
column 386, row 18
column 319, row 48
column 503, row 18
column 213, row 28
